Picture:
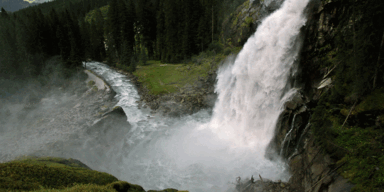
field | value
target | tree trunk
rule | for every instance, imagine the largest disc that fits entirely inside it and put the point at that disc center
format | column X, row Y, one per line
column 212, row 23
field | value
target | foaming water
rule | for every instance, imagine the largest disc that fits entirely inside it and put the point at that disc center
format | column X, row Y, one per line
column 183, row 153
column 203, row 152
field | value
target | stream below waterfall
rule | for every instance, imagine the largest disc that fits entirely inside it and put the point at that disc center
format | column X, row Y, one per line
column 184, row 153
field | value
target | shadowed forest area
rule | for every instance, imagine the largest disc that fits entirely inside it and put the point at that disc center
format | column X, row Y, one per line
column 124, row 32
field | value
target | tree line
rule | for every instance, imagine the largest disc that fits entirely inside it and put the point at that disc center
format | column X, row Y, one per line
column 130, row 32
column 166, row 30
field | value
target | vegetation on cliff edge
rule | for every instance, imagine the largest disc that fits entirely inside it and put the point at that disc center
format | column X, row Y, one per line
column 348, row 119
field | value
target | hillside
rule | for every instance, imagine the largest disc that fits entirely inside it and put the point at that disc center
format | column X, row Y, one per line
column 14, row 5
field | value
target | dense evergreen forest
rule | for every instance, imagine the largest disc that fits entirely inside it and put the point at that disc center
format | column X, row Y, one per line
column 123, row 32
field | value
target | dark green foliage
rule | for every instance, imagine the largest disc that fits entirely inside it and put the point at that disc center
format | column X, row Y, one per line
column 358, row 38
column 165, row 190
column 135, row 32
column 114, row 26
column 96, row 38
column 30, row 36
column 358, row 145
column 122, row 186
column 347, row 118
column 171, row 31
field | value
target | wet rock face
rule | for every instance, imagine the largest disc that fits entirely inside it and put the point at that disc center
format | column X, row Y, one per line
column 112, row 126
column 292, row 124
column 312, row 170
column 110, row 120
column 271, row 5
column 262, row 185
column 241, row 24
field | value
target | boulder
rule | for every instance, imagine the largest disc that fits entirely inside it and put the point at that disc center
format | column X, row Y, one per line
column 113, row 125
column 271, row 5
column 111, row 120
column 295, row 101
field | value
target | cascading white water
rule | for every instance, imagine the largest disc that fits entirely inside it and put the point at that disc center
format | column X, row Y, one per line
column 251, row 89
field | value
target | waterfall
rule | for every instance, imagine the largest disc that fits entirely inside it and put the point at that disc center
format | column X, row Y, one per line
column 203, row 153
column 251, row 89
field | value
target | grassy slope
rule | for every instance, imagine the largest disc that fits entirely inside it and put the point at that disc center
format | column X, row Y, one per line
column 51, row 174
column 32, row 174
column 169, row 78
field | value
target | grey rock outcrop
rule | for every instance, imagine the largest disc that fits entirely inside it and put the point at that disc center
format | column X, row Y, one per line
column 109, row 127
column 241, row 24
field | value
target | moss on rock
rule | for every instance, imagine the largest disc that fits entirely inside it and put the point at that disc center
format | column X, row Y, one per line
column 122, row 186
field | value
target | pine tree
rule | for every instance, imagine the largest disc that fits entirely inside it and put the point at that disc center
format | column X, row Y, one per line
column 160, row 35
column 187, row 35
column 85, row 31
column 171, row 30
column 4, row 13
column 127, row 32
column 114, row 34
column 53, row 23
column 97, row 31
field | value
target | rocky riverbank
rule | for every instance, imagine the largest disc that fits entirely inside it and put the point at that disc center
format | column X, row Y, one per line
column 187, row 100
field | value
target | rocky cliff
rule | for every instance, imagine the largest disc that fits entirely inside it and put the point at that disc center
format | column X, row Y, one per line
column 336, row 116
column 328, row 134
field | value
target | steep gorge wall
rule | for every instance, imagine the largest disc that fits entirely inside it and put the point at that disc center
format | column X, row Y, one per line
column 313, row 168
column 336, row 85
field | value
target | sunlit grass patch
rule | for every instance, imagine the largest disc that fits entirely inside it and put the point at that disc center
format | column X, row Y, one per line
column 161, row 78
